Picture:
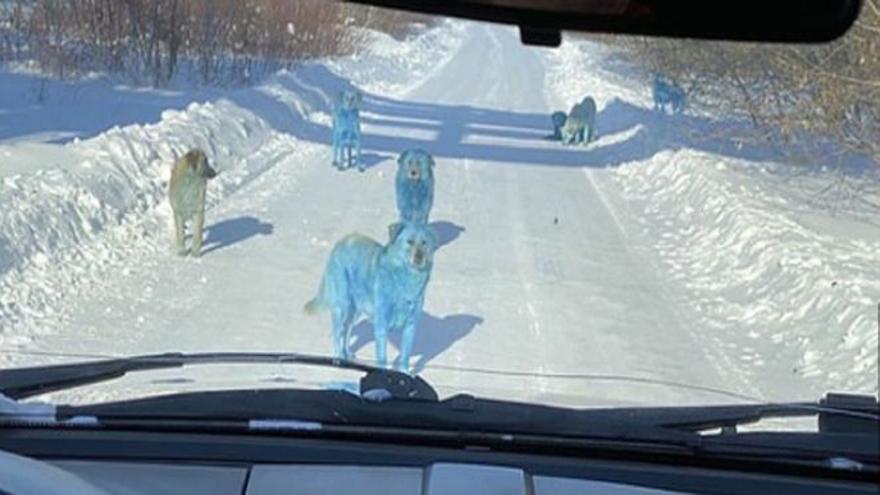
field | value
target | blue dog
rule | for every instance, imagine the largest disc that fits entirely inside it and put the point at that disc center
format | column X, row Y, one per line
column 347, row 131
column 558, row 119
column 414, row 185
column 385, row 284
column 580, row 125
column 669, row 94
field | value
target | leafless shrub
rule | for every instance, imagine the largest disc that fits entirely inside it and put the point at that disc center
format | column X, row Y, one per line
column 150, row 41
column 398, row 24
column 792, row 94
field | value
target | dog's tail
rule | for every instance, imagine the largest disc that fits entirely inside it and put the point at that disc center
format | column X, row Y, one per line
column 318, row 302
column 313, row 307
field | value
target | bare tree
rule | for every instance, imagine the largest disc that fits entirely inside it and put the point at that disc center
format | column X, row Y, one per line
column 147, row 41
column 790, row 93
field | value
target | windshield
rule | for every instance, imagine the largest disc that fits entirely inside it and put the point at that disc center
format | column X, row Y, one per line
column 621, row 221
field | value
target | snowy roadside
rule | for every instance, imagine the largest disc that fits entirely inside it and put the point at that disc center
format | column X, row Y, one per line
column 89, row 205
column 786, row 289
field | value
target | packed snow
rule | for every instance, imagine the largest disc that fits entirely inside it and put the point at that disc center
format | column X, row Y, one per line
column 784, row 283
column 649, row 255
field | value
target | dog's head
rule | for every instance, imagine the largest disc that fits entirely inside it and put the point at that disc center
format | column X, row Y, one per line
column 558, row 119
column 350, row 99
column 198, row 164
column 415, row 165
column 415, row 244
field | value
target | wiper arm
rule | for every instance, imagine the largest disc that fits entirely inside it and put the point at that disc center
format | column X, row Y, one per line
column 20, row 383
column 838, row 413
column 459, row 418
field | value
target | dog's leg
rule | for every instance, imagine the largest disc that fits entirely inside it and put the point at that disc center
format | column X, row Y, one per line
column 406, row 345
column 360, row 163
column 346, row 335
column 199, row 226
column 337, row 151
column 380, row 333
column 393, row 230
column 340, row 346
column 179, row 235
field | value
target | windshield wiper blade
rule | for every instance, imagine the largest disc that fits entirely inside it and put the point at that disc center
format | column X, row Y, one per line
column 335, row 411
column 838, row 413
column 21, row 383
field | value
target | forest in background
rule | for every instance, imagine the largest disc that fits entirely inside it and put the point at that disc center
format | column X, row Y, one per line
column 215, row 42
column 792, row 94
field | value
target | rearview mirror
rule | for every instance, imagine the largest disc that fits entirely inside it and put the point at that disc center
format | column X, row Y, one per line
column 541, row 21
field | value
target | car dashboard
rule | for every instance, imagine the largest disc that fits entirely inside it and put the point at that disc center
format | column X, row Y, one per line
column 439, row 478
column 194, row 463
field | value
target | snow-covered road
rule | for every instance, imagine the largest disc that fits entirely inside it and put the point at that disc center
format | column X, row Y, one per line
column 539, row 270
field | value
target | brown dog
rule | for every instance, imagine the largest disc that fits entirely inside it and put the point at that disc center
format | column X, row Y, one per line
column 186, row 193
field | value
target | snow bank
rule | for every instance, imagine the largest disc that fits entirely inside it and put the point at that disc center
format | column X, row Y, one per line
column 778, row 288
column 786, row 290
column 85, row 203
column 388, row 66
column 52, row 216
column 573, row 72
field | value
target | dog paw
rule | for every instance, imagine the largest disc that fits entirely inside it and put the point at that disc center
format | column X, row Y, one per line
column 404, row 369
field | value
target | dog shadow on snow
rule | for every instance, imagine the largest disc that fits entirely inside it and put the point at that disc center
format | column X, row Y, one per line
column 231, row 231
column 301, row 101
column 370, row 160
column 433, row 336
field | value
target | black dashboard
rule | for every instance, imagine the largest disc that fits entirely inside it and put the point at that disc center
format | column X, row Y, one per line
column 142, row 462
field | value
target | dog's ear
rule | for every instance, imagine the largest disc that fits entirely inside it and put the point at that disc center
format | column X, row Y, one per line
column 430, row 160
column 403, row 156
column 394, row 231
column 207, row 170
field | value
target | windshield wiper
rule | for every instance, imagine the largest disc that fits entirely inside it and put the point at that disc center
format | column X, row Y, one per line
column 476, row 421
column 848, row 425
column 837, row 413
column 415, row 406
column 21, row 383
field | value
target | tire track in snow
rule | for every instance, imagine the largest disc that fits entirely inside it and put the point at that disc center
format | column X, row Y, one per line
column 570, row 298
column 674, row 298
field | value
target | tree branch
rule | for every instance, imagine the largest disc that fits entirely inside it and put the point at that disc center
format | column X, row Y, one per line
column 874, row 83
